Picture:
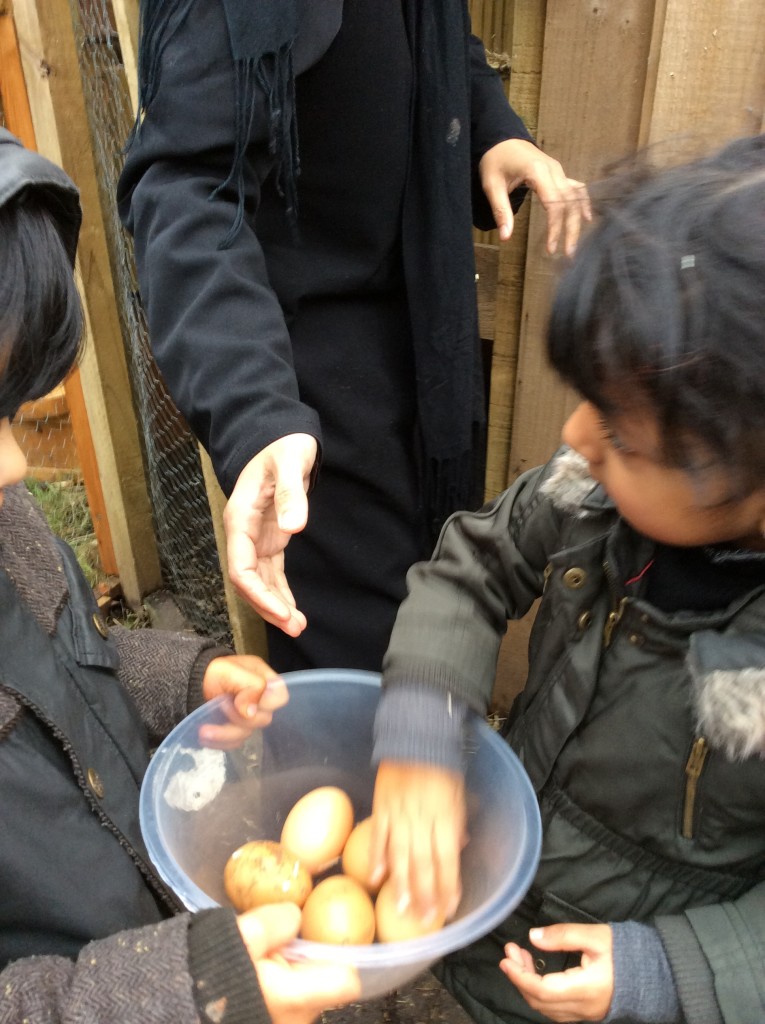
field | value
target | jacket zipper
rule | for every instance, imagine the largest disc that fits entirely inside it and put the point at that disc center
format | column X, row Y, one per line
column 693, row 769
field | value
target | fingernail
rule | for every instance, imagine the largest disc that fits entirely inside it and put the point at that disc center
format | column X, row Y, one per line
column 536, row 933
column 403, row 903
column 252, row 710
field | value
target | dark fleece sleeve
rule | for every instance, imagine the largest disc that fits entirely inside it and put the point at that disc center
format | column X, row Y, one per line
column 217, row 330
column 493, row 120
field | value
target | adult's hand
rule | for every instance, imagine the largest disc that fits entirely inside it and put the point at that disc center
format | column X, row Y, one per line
column 295, row 993
column 267, row 506
column 517, row 162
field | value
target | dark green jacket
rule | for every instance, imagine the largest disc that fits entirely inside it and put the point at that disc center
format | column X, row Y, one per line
column 623, row 708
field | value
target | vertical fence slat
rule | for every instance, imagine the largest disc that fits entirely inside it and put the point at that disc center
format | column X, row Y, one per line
column 524, row 43
column 593, row 78
column 710, row 75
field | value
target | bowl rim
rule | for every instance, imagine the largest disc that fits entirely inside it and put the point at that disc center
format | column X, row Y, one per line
column 428, row 948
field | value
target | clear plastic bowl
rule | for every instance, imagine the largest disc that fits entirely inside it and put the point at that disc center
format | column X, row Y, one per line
column 199, row 804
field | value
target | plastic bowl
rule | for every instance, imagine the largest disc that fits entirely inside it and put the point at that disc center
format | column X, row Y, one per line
column 199, row 804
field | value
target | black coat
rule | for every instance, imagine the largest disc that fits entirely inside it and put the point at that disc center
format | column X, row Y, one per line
column 201, row 299
column 322, row 327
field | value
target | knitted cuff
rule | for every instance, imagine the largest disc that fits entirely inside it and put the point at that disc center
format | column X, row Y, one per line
column 195, row 697
column 691, row 970
column 225, row 982
column 644, row 990
column 415, row 723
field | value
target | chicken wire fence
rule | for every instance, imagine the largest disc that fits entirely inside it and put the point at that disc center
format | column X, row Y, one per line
column 182, row 521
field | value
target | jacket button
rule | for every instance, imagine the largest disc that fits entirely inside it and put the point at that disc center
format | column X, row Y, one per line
column 584, row 620
column 636, row 639
column 100, row 625
column 94, row 781
column 574, row 578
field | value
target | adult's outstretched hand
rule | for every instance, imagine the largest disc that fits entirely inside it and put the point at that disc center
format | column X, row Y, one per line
column 268, row 505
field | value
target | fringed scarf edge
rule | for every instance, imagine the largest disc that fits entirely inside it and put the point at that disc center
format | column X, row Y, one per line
column 269, row 73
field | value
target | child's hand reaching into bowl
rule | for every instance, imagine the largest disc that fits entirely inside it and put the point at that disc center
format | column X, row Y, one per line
column 418, row 831
column 257, row 691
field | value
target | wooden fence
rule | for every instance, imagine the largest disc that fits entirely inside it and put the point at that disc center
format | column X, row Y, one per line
column 593, row 80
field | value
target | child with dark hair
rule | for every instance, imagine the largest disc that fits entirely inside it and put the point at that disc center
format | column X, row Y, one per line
column 88, row 931
column 642, row 722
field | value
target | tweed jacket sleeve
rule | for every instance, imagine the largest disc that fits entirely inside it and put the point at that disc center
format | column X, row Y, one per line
column 141, row 977
column 135, row 977
column 163, row 672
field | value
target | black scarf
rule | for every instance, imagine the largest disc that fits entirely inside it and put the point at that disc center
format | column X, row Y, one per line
column 439, row 260
column 437, row 221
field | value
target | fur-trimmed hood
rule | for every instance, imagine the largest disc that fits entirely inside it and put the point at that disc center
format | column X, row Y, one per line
column 727, row 669
column 569, row 484
column 728, row 673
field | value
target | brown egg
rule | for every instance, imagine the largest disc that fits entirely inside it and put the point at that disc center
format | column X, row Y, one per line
column 316, row 828
column 339, row 911
column 356, row 855
column 393, row 926
column 264, row 872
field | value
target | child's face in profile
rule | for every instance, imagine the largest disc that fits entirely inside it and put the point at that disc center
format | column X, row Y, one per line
column 13, row 462
column 666, row 503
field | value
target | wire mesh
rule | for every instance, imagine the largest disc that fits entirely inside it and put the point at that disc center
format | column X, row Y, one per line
column 183, row 525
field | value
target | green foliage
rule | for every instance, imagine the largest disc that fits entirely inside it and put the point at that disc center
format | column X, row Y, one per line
column 66, row 509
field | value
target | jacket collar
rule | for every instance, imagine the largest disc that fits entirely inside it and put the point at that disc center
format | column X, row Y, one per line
column 30, row 557
column 728, row 674
column 571, row 488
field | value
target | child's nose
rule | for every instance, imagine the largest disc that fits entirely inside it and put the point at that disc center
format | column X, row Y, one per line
column 582, row 432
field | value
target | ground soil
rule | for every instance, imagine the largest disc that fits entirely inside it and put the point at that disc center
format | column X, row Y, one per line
column 424, row 1001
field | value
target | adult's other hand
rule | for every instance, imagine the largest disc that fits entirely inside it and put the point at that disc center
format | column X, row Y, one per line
column 517, row 162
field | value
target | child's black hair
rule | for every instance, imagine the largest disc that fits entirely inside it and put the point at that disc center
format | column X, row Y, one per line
column 40, row 310
column 664, row 305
